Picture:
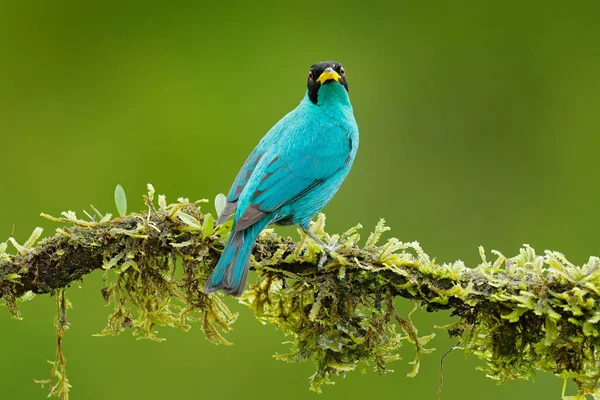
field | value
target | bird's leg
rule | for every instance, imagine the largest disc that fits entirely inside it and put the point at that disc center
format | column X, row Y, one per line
column 328, row 248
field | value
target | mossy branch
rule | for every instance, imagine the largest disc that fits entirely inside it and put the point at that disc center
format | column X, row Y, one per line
column 521, row 314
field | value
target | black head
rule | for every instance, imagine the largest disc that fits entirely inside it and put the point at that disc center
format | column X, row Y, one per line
column 324, row 73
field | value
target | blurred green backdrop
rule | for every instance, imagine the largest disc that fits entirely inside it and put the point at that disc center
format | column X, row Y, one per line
column 479, row 126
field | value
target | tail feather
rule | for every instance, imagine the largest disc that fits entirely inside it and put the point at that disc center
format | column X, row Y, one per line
column 231, row 271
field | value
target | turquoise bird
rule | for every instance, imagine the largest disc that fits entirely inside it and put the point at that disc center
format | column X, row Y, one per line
column 293, row 172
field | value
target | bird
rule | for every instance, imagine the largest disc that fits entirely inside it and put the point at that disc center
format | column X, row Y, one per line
column 293, row 173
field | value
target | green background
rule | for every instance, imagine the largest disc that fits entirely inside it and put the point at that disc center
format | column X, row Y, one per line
column 479, row 126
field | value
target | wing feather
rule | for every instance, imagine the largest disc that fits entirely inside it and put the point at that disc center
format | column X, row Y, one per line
column 285, row 180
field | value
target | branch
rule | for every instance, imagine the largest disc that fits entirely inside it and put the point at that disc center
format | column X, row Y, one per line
column 521, row 314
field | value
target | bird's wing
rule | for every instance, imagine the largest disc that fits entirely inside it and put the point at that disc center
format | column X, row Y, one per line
column 289, row 175
column 250, row 165
column 239, row 183
column 244, row 174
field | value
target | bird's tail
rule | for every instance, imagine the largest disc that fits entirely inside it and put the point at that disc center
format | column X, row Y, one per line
column 231, row 271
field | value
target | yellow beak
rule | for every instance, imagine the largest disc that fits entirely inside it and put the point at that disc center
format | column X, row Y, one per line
column 328, row 74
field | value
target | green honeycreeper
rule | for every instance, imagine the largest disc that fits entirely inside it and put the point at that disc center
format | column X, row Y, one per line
column 293, row 172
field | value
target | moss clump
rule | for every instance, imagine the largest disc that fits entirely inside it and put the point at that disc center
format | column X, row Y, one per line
column 58, row 381
column 519, row 315
column 338, row 316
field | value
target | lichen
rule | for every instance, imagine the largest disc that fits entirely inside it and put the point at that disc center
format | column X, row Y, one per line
column 519, row 315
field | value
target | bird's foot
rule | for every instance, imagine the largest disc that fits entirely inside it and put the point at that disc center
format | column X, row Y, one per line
column 331, row 248
column 324, row 255
column 326, row 250
column 326, row 247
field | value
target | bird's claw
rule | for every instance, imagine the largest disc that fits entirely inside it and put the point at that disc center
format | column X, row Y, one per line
column 332, row 248
column 327, row 249
column 322, row 261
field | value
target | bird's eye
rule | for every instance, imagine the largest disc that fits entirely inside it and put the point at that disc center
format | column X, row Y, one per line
column 310, row 75
column 342, row 71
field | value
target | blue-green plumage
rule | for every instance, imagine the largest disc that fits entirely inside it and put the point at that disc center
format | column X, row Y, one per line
column 293, row 172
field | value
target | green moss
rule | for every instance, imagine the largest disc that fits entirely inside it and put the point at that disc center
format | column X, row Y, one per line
column 519, row 315
column 58, row 381
column 338, row 317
